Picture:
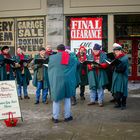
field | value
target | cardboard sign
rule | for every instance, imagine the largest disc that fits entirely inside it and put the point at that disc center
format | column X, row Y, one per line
column 85, row 32
column 9, row 99
column 31, row 34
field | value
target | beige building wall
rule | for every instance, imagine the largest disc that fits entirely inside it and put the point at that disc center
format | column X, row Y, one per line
column 102, row 7
column 18, row 8
column 51, row 9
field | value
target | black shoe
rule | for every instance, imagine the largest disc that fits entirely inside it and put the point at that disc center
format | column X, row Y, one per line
column 91, row 103
column 20, row 98
column 83, row 98
column 45, row 102
column 117, row 106
column 68, row 119
column 55, row 120
column 37, row 102
column 112, row 101
column 26, row 97
column 73, row 103
column 123, row 107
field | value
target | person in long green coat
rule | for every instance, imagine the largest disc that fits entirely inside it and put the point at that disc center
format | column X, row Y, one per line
column 67, row 49
column 40, row 79
column 8, row 67
column 23, row 75
column 97, row 75
column 2, row 68
column 83, row 71
column 62, row 78
column 120, row 77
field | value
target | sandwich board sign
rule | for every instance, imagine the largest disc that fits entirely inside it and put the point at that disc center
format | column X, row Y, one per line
column 9, row 100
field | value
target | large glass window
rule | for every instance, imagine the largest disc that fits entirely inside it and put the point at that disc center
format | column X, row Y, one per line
column 105, row 40
column 127, row 33
column 127, row 26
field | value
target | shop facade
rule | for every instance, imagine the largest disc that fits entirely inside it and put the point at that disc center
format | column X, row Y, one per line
column 35, row 23
column 121, row 23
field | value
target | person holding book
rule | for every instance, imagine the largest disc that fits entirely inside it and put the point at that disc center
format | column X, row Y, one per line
column 81, row 55
column 22, row 73
column 3, row 74
column 97, row 75
column 120, row 77
column 40, row 79
column 62, row 78
column 8, row 67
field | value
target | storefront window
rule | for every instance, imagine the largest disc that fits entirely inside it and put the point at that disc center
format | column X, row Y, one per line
column 104, row 41
column 127, row 26
column 127, row 33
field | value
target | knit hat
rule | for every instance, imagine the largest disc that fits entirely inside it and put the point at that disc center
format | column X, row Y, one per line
column 117, row 46
column 4, row 48
column 67, row 47
column 97, row 47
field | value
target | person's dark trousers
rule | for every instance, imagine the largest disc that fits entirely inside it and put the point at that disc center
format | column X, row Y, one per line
column 8, row 76
column 82, row 90
column 120, row 99
column 124, row 101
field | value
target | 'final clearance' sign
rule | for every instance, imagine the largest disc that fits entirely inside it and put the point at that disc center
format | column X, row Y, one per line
column 85, row 32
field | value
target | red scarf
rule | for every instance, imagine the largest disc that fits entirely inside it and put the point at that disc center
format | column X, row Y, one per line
column 6, row 56
column 48, row 53
column 65, row 57
column 83, row 57
column 120, row 55
column 21, row 56
column 97, row 59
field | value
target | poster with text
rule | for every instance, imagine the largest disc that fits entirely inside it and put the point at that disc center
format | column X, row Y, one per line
column 9, row 100
column 85, row 32
column 7, row 33
column 31, row 34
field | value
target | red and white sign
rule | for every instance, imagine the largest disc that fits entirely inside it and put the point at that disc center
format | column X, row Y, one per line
column 85, row 32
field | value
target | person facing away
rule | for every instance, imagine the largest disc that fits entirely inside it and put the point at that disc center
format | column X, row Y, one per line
column 82, row 70
column 40, row 78
column 72, row 54
column 8, row 67
column 62, row 78
column 23, row 75
column 97, row 75
column 119, row 87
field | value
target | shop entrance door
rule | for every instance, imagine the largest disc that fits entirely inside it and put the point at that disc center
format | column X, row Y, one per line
column 132, row 48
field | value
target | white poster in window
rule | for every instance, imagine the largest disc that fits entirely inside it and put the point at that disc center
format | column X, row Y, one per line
column 9, row 100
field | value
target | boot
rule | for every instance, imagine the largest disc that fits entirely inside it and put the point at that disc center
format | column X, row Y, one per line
column 73, row 100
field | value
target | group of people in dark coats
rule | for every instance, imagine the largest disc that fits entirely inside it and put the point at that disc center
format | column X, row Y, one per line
column 62, row 72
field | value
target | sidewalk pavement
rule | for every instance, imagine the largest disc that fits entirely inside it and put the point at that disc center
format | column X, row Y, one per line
column 90, row 122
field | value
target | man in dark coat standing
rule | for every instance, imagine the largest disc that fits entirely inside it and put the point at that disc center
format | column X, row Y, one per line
column 61, row 71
